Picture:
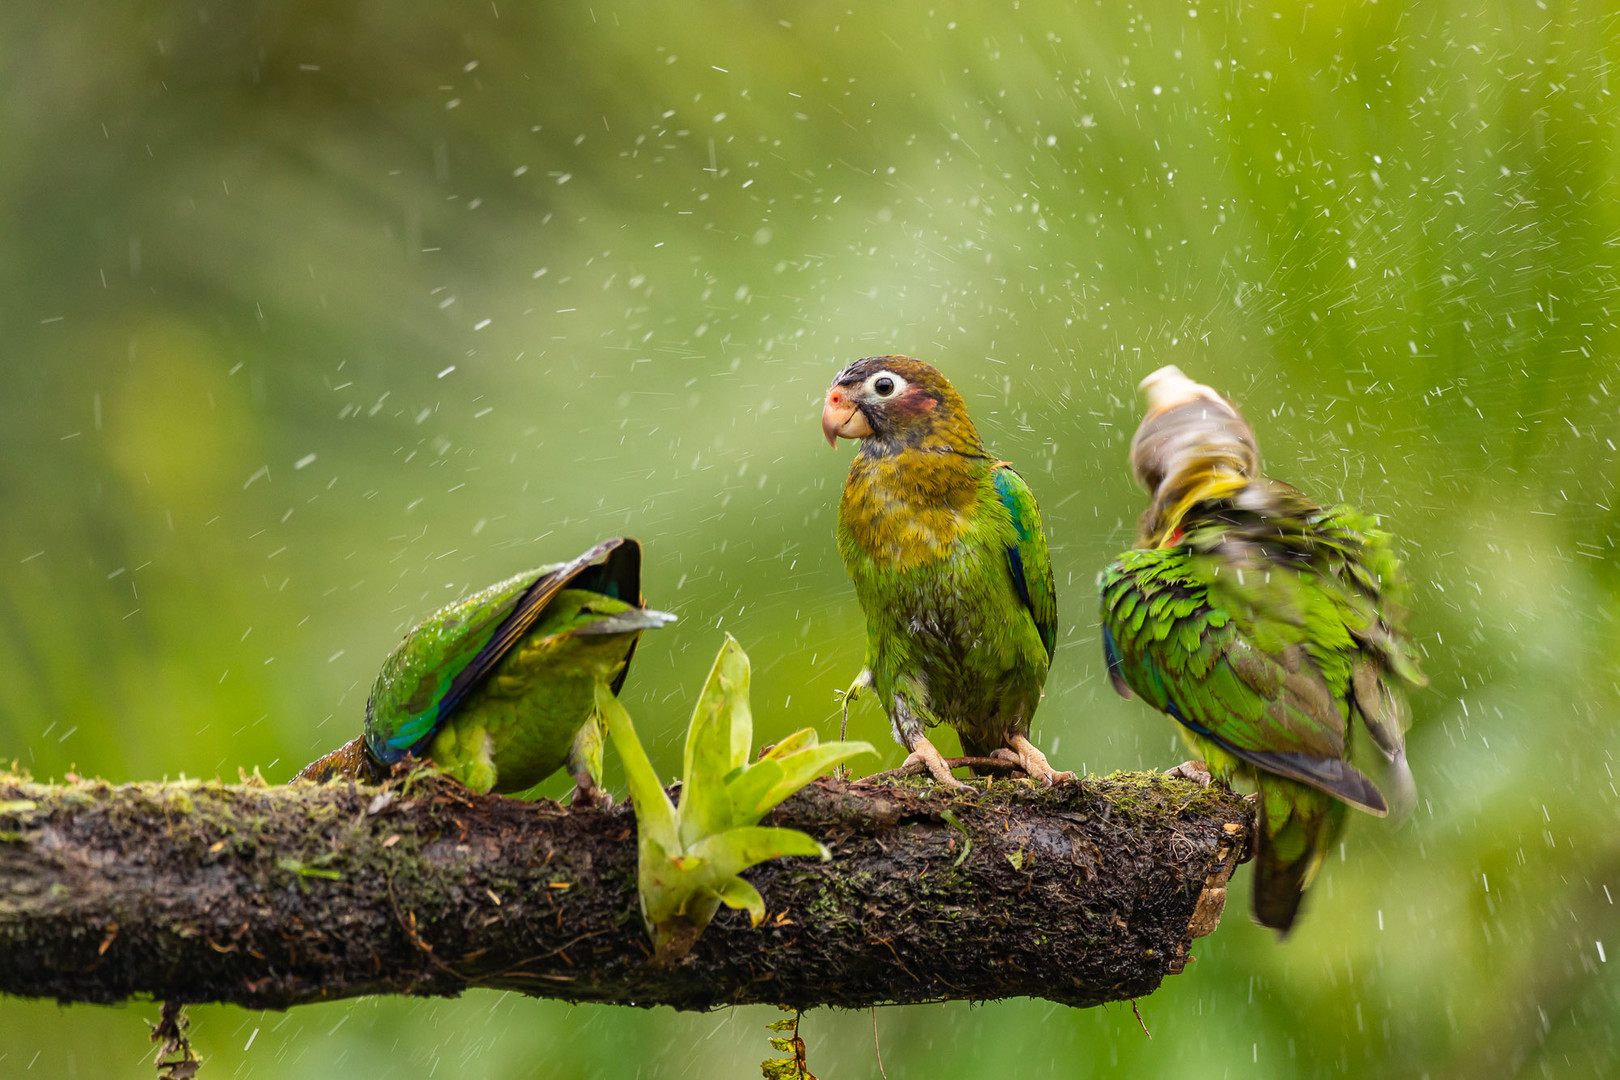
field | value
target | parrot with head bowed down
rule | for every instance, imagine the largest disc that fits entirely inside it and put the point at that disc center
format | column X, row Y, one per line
column 498, row 689
column 1266, row 626
column 944, row 545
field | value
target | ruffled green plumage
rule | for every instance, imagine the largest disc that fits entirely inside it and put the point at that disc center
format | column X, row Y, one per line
column 1268, row 628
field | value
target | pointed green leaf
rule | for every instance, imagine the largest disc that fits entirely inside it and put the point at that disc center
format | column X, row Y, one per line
column 734, row 673
column 735, row 850
column 798, row 770
column 734, row 892
column 655, row 817
column 690, row 854
column 749, row 787
column 710, row 740
column 658, row 882
column 799, row 740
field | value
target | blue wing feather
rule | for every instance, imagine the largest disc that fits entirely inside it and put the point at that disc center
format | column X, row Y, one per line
column 1015, row 562
column 1027, row 558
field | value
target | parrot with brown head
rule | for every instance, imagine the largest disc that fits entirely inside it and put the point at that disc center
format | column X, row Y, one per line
column 944, row 545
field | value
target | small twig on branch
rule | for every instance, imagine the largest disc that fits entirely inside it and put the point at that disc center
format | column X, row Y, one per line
column 917, row 768
column 275, row 896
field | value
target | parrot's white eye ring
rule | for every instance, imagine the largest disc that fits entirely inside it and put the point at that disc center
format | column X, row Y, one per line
column 885, row 385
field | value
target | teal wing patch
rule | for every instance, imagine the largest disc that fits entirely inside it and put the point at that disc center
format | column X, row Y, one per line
column 1027, row 558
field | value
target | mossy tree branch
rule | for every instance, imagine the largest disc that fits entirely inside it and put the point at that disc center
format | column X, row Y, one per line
column 276, row 896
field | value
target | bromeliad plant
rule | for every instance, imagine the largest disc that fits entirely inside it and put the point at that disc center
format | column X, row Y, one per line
column 691, row 853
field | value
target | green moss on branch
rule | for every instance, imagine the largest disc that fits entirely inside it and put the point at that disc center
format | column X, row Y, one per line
column 275, row 896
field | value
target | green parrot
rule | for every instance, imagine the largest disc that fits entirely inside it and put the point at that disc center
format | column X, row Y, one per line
column 944, row 545
column 1267, row 626
column 498, row 689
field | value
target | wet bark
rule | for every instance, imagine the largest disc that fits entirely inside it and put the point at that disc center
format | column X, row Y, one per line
column 274, row 896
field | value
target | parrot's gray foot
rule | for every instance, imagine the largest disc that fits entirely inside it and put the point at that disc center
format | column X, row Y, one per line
column 924, row 754
column 588, row 796
column 1033, row 762
column 1196, row 771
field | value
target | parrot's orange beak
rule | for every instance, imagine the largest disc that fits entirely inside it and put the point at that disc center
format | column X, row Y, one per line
column 841, row 419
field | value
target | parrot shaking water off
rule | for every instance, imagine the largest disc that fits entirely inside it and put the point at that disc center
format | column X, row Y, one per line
column 1266, row 626
column 498, row 689
column 944, row 545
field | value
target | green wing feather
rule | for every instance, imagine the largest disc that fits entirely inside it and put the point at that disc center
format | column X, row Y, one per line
column 407, row 704
column 517, row 624
column 1027, row 557
column 1263, row 660
column 498, row 688
column 451, row 654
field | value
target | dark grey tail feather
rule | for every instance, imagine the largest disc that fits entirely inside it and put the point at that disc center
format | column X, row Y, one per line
column 1338, row 778
column 1116, row 665
column 612, row 568
column 1383, row 711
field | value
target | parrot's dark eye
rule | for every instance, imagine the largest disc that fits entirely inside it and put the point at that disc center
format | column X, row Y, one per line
column 886, row 384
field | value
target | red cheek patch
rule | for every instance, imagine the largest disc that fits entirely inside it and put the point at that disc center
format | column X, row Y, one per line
column 914, row 402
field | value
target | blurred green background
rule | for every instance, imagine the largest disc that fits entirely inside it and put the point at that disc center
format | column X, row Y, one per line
column 315, row 315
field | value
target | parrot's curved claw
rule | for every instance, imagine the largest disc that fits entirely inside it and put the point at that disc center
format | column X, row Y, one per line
column 924, row 754
column 1033, row 762
column 1196, row 771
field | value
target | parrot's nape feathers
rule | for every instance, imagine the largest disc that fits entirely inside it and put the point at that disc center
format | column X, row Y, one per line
column 1191, row 447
